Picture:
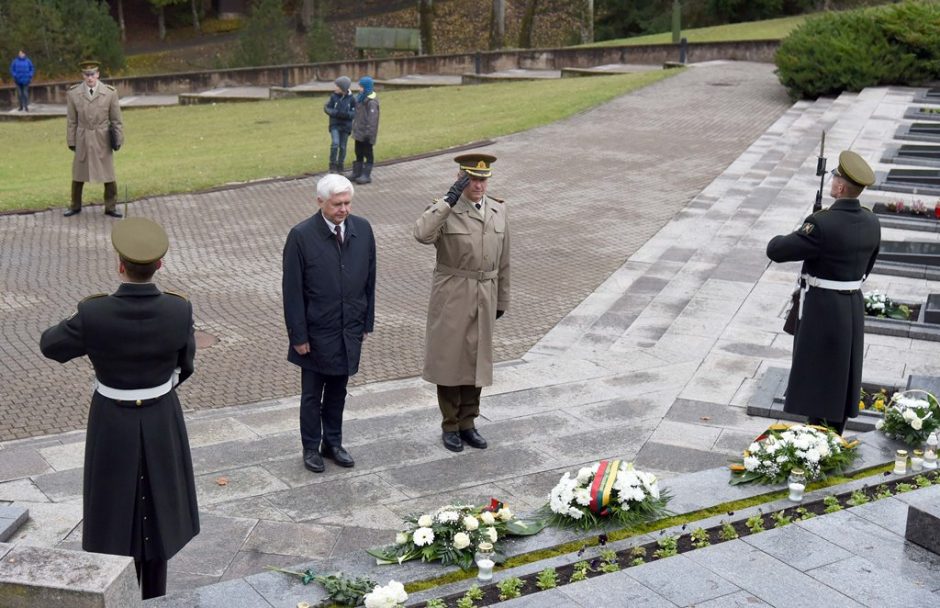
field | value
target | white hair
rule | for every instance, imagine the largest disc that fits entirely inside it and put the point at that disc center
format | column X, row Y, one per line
column 331, row 184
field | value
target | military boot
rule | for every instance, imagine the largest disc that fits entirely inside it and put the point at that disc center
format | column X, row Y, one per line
column 366, row 176
column 356, row 171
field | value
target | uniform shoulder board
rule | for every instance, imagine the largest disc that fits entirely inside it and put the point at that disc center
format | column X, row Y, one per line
column 77, row 84
column 110, row 87
column 178, row 294
column 497, row 199
column 93, row 296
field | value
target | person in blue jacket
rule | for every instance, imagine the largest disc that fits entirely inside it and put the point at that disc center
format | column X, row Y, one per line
column 341, row 108
column 22, row 70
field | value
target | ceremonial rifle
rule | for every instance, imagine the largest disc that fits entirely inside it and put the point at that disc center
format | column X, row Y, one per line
column 821, row 172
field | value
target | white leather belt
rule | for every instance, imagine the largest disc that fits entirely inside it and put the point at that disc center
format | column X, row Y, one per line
column 811, row 281
column 138, row 394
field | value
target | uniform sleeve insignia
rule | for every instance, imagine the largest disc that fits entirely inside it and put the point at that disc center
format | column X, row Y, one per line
column 178, row 294
column 806, row 228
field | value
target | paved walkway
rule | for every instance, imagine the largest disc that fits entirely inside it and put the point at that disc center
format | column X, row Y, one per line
column 615, row 174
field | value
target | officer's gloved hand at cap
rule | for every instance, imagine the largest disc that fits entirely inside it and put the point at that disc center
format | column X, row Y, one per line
column 453, row 195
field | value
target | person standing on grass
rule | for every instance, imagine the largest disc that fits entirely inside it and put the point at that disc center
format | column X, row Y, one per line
column 365, row 128
column 341, row 108
column 22, row 71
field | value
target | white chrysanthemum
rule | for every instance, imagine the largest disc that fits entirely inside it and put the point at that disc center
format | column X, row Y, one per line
column 584, row 475
column 461, row 540
column 754, row 447
column 582, row 496
column 879, row 424
column 487, row 518
column 423, row 537
column 782, row 458
column 446, row 517
column 471, row 523
column 574, row 513
column 425, row 521
column 751, row 463
column 812, row 455
column 401, row 538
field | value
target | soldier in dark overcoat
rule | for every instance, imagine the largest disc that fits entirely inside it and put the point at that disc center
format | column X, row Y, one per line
column 838, row 247
column 139, row 492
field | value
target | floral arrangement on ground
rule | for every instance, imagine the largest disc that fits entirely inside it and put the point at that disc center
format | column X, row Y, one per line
column 816, row 450
column 911, row 417
column 608, row 492
column 880, row 305
column 453, row 533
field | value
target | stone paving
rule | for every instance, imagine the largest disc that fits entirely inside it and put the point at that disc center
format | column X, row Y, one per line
column 655, row 365
column 679, row 135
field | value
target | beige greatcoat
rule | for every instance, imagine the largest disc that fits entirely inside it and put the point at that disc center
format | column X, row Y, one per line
column 471, row 282
column 88, row 119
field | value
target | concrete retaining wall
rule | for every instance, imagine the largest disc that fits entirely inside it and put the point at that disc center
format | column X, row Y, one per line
column 491, row 61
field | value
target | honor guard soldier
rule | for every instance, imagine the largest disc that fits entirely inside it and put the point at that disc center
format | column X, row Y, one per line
column 94, row 132
column 838, row 247
column 469, row 291
column 139, row 493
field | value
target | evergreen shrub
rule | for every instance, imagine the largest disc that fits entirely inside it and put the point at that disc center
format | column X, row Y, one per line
column 898, row 44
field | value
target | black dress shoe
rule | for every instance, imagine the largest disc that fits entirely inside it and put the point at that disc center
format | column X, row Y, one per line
column 472, row 438
column 71, row 212
column 313, row 462
column 114, row 213
column 452, row 441
column 339, row 455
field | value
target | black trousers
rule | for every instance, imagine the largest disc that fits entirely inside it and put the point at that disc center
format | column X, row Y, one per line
column 151, row 574
column 322, row 399
column 364, row 152
column 110, row 195
column 838, row 427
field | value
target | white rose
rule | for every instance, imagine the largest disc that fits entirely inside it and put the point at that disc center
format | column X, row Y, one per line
column 504, row 514
column 487, row 518
column 908, row 415
column 461, row 540
column 423, row 536
column 917, row 424
column 879, row 424
column 397, row 592
column 471, row 523
column 401, row 538
column 425, row 521
column 491, row 534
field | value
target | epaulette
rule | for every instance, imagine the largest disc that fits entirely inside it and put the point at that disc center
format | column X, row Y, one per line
column 78, row 84
column 110, row 87
column 170, row 292
column 93, row 296
column 497, row 199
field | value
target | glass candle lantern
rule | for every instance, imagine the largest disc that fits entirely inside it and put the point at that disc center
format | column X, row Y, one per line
column 900, row 462
column 796, row 484
column 484, row 560
column 917, row 461
column 930, row 452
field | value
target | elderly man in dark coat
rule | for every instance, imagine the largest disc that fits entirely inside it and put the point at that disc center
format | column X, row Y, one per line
column 139, row 494
column 329, row 307
column 838, row 247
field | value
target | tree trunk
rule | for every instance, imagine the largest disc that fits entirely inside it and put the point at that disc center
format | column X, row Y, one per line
column 306, row 15
column 161, row 22
column 426, row 25
column 120, row 9
column 498, row 24
column 587, row 21
column 196, row 25
column 528, row 24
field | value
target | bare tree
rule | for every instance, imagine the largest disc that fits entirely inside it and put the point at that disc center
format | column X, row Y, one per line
column 426, row 25
column 528, row 24
column 120, row 12
column 585, row 11
column 196, row 24
column 498, row 24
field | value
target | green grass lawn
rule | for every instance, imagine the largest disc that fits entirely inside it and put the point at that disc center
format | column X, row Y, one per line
column 185, row 148
column 771, row 29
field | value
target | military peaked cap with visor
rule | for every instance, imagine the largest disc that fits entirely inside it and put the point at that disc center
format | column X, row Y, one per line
column 139, row 240
column 89, row 65
column 477, row 165
column 853, row 168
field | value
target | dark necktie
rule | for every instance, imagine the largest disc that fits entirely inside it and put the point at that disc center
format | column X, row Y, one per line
column 91, row 92
column 339, row 235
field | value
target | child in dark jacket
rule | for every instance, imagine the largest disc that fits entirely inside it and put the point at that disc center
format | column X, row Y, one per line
column 341, row 109
column 365, row 129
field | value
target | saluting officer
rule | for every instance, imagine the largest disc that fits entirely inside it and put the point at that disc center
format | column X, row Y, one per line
column 94, row 131
column 838, row 247
column 139, row 493
column 469, row 291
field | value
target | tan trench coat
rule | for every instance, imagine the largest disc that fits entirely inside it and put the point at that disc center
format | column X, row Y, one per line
column 88, row 119
column 471, row 282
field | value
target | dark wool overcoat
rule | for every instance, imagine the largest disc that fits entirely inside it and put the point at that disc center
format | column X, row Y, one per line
column 139, row 492
column 329, row 293
column 839, row 243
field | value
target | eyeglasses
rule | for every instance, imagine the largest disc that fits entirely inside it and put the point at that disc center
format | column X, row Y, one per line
column 90, row 73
